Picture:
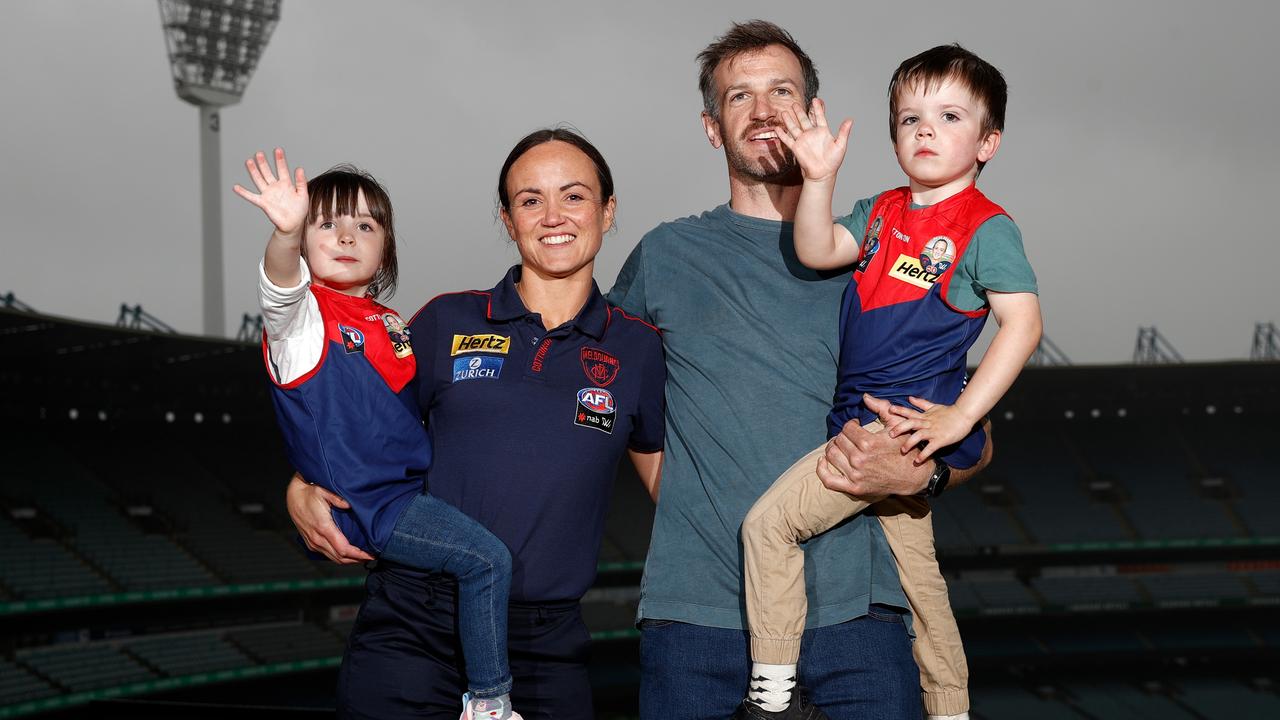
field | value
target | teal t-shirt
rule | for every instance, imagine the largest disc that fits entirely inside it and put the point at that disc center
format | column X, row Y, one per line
column 751, row 338
column 994, row 259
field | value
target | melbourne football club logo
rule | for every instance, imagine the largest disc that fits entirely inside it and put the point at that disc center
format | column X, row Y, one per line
column 596, row 409
column 870, row 244
column 938, row 255
column 352, row 339
column 601, row 367
column 477, row 368
column 399, row 334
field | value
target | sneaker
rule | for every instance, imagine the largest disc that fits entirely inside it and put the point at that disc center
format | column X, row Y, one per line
column 480, row 712
column 799, row 709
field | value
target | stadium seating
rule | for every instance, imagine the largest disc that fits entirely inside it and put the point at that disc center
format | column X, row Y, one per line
column 1011, row 702
column 85, row 666
column 287, row 642
column 1228, row 699
column 188, row 654
column 32, row 569
column 17, row 685
column 1082, row 563
column 1122, row 700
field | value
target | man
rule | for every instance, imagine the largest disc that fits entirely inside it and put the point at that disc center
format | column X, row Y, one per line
column 751, row 342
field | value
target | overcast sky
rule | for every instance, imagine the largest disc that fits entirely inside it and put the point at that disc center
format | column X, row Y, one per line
column 1140, row 154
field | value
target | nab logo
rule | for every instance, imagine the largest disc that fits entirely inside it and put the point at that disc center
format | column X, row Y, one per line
column 595, row 410
column 498, row 344
column 596, row 399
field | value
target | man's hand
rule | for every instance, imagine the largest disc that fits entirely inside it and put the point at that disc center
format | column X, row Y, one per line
column 283, row 198
column 870, row 465
column 309, row 508
column 807, row 136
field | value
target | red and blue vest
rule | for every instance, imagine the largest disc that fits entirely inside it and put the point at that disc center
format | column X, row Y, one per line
column 899, row 336
column 352, row 423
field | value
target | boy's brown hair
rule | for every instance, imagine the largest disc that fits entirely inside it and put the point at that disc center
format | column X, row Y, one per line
column 952, row 62
column 336, row 192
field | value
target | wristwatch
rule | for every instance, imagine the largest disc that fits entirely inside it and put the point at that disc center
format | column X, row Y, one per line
column 938, row 480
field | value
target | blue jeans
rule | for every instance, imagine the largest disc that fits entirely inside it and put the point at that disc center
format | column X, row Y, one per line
column 433, row 535
column 857, row 669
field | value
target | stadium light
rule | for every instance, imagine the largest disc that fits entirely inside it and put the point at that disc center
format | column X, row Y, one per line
column 214, row 47
column 1152, row 348
column 1266, row 342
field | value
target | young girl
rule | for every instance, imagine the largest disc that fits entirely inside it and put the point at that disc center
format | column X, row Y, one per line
column 343, row 369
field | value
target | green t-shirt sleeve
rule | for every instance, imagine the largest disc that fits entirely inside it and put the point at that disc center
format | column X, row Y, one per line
column 995, row 261
column 628, row 289
column 856, row 221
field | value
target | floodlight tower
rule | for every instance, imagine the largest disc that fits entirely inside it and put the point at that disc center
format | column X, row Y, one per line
column 214, row 46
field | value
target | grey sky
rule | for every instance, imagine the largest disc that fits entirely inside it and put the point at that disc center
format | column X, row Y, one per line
column 1138, row 157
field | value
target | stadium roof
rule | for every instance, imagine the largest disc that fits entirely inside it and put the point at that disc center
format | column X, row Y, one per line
column 49, row 365
column 53, row 363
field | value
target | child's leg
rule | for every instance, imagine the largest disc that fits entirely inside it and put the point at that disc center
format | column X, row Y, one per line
column 944, row 673
column 433, row 535
column 794, row 509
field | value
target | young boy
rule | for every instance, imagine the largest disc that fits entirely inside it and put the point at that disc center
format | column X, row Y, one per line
column 935, row 257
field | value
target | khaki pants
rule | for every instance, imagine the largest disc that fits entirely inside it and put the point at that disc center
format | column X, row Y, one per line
column 799, row 507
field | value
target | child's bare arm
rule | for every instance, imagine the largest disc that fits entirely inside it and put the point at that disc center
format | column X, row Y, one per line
column 1018, row 315
column 284, row 199
column 820, row 244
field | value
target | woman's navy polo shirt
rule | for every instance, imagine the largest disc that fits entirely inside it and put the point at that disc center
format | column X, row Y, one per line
column 528, row 425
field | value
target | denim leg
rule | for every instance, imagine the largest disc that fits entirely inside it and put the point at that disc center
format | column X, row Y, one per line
column 857, row 669
column 433, row 535
column 690, row 672
column 862, row 668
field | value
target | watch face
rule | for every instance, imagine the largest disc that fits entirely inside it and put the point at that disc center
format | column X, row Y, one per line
column 941, row 476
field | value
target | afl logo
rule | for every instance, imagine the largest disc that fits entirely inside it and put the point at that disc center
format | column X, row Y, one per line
column 595, row 410
column 352, row 339
column 596, row 399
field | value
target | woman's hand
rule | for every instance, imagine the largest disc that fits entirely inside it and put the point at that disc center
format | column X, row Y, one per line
column 283, row 198
column 309, row 508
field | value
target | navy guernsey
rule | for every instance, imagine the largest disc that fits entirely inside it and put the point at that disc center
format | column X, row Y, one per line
column 899, row 337
column 350, row 423
column 528, row 425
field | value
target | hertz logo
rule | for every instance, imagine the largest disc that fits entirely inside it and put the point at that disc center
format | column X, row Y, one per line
column 908, row 269
column 498, row 344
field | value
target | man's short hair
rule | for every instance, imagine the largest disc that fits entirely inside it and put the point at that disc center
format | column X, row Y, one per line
column 751, row 36
column 936, row 65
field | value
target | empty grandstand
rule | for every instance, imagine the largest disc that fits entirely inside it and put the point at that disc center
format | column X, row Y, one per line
column 1120, row 558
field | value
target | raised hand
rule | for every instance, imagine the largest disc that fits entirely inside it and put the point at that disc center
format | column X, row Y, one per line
column 281, row 196
column 807, row 136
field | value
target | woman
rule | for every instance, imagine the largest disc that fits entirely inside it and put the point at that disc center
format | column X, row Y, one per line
column 532, row 390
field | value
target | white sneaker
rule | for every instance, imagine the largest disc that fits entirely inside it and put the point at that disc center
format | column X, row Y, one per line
column 480, row 711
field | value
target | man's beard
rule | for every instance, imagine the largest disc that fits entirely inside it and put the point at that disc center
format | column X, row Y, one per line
column 778, row 167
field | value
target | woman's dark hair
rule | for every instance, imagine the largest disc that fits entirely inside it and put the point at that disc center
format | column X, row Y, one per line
column 337, row 192
column 546, row 135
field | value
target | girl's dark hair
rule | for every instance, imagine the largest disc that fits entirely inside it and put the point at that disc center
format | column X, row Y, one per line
column 337, row 192
column 546, row 135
